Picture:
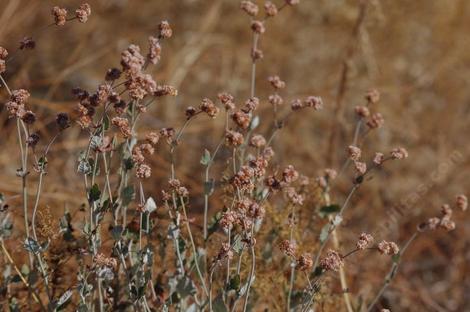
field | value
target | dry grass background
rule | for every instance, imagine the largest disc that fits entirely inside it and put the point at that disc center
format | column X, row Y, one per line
column 414, row 52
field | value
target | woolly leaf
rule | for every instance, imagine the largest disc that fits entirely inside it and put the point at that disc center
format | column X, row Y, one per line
column 206, row 158
column 326, row 210
column 94, row 193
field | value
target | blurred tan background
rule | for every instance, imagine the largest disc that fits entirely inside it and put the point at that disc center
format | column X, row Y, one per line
column 416, row 53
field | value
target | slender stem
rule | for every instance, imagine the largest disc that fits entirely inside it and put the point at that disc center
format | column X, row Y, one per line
column 193, row 245
column 332, row 226
column 391, row 274
column 25, row 282
column 250, row 278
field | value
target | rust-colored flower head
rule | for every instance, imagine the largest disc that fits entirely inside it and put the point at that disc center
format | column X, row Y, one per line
column 275, row 99
column 447, row 224
column 315, row 102
column 20, row 96
column 270, row 9
column 354, row 152
column 372, row 96
column 168, row 134
column 227, row 100
column 28, row 117
column 276, row 82
column 361, row 167
column 3, row 66
column 288, row 248
column 289, row 174
column 330, row 174
column 3, row 53
column 257, row 141
column 294, row 197
column 258, row 27
column 190, row 112
column 243, row 179
column 228, row 220
column 83, row 12
column 241, row 119
column 364, row 241
column 375, row 121
column 378, row 158
column 292, row 2
column 155, row 50
column 257, row 54
column 296, row 104
column 433, row 223
column 362, row 111
column 332, row 261
column 27, row 43
column 152, row 137
column 62, row 120
column 209, row 108
column 233, row 138
column 112, row 74
column 60, row 15
column 143, row 171
column 132, row 60
column 250, row 105
column 399, row 153
column 461, row 202
column 163, row 90
column 305, row 263
column 33, row 139
column 249, row 7
column 165, row 30
column 388, row 248
column 123, row 125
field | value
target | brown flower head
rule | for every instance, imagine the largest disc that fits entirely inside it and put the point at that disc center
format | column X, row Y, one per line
column 375, row 121
column 362, row 111
column 289, row 174
column 297, row 104
column 143, row 171
column 361, row 167
column 155, row 50
column 209, row 108
column 3, row 53
column 258, row 27
column 388, row 248
column 276, row 82
column 249, row 7
column 288, row 248
column 378, row 158
column 399, row 153
column 461, row 202
column 364, row 240
column 354, row 152
column 241, row 119
column 123, row 125
column 165, row 30
column 152, row 137
column 372, row 96
column 60, row 15
column 250, row 105
column 227, row 100
column 27, row 43
column 305, row 263
column 233, row 138
column 83, row 12
column 332, row 261
column 62, row 120
column 275, row 99
column 314, row 101
column 270, row 8
column 257, row 141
